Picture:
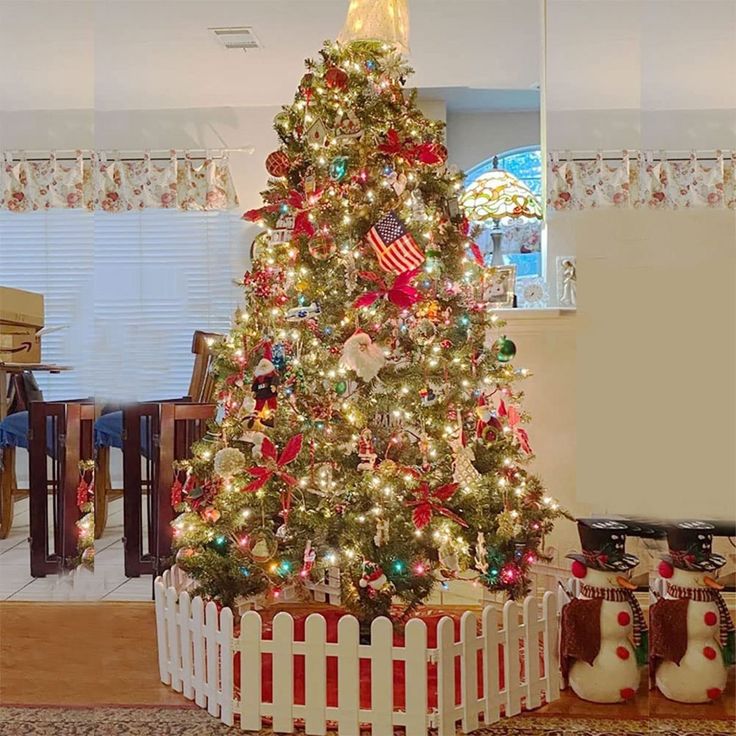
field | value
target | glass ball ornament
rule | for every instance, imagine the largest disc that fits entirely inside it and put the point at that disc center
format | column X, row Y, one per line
column 504, row 349
column 336, row 78
column 339, row 168
column 341, row 387
column 278, row 164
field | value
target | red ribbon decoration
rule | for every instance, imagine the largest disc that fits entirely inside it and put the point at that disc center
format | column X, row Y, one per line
column 428, row 502
column 513, row 417
column 299, row 203
column 274, row 465
column 401, row 292
column 425, row 153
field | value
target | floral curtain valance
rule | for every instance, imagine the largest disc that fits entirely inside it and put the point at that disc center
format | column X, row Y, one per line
column 641, row 179
column 104, row 182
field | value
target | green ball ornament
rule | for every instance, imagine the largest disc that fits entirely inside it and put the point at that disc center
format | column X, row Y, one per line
column 504, row 349
column 341, row 387
column 339, row 168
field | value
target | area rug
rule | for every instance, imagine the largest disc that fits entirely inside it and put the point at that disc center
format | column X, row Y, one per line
column 163, row 721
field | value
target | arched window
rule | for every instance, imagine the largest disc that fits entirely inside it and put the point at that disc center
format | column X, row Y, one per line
column 524, row 163
column 522, row 238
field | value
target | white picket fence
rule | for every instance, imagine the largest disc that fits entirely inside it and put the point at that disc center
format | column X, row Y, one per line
column 197, row 648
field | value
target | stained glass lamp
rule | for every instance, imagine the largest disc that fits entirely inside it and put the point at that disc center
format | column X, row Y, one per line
column 378, row 20
column 493, row 197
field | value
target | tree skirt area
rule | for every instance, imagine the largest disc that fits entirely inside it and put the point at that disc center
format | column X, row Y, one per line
column 191, row 721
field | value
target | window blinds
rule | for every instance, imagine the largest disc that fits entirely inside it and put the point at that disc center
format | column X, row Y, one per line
column 132, row 287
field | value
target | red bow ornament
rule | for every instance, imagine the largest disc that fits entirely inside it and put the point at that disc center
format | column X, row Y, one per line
column 514, row 418
column 299, row 203
column 401, row 292
column 426, row 502
column 274, row 464
column 425, row 153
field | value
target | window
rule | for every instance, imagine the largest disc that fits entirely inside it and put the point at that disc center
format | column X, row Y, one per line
column 131, row 289
column 524, row 163
column 522, row 238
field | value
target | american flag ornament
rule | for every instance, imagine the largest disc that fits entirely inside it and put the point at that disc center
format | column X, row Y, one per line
column 396, row 249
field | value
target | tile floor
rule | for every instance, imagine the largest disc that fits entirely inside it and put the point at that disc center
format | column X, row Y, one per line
column 106, row 583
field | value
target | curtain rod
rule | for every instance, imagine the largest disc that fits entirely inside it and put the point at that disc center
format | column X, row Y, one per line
column 71, row 154
column 616, row 154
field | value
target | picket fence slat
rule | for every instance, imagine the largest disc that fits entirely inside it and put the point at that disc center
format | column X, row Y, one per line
column 250, row 671
column 551, row 648
column 492, row 696
column 415, row 676
column 173, row 639
column 197, row 631
column 283, row 663
column 348, row 676
column 532, row 627
column 445, row 677
column 159, row 596
column 315, row 675
column 469, row 672
column 226, row 667
column 382, row 685
column 197, row 648
column 511, row 669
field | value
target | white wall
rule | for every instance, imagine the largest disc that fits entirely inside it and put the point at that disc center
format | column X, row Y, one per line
column 473, row 137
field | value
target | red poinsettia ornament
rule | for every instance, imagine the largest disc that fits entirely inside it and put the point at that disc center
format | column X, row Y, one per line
column 274, row 465
column 427, row 502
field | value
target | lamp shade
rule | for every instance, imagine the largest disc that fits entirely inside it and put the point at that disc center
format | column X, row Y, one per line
column 498, row 194
column 378, row 20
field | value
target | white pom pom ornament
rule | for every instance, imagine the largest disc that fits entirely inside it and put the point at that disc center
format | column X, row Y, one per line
column 228, row 462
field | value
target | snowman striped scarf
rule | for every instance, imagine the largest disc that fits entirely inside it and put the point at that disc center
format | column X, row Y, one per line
column 706, row 595
column 619, row 595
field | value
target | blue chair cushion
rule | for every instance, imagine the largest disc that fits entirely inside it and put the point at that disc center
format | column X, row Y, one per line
column 14, row 432
column 109, row 432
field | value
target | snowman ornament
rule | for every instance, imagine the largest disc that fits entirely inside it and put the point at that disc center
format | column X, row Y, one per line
column 604, row 636
column 692, row 630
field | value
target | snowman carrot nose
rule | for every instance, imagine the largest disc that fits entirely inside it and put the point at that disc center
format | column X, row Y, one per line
column 712, row 583
column 625, row 583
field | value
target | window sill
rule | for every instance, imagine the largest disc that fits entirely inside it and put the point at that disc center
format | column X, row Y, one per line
column 508, row 314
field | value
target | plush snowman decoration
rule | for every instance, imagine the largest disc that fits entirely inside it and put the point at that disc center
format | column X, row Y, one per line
column 603, row 630
column 692, row 630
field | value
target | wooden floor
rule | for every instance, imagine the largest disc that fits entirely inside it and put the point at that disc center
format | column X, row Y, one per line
column 105, row 653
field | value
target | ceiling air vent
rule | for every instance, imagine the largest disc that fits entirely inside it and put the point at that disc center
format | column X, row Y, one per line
column 241, row 37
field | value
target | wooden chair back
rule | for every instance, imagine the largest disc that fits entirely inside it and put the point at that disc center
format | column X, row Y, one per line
column 181, row 424
column 65, row 428
column 202, row 385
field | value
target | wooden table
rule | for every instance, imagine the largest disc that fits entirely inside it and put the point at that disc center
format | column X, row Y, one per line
column 6, row 368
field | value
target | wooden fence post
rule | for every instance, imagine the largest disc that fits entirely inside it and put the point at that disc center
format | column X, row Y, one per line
column 173, row 639
column 382, row 686
column 200, row 683
column 531, row 653
column 210, row 635
column 185, row 630
column 551, row 648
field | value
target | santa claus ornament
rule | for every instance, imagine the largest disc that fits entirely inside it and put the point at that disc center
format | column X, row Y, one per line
column 362, row 355
column 692, row 629
column 265, row 384
column 604, row 636
column 373, row 578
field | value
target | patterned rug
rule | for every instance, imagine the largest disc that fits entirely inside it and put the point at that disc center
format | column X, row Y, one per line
column 161, row 721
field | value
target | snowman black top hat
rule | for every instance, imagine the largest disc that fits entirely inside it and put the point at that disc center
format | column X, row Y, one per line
column 691, row 546
column 604, row 545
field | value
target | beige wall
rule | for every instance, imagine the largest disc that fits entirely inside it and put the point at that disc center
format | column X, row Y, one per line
column 473, row 137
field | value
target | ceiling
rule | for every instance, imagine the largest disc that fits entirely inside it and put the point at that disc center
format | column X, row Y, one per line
column 154, row 54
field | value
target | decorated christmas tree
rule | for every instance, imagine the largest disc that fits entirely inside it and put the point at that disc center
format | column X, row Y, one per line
column 369, row 421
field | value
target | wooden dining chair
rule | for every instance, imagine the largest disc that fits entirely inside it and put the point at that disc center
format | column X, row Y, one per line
column 111, row 430
column 22, row 389
column 59, row 438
